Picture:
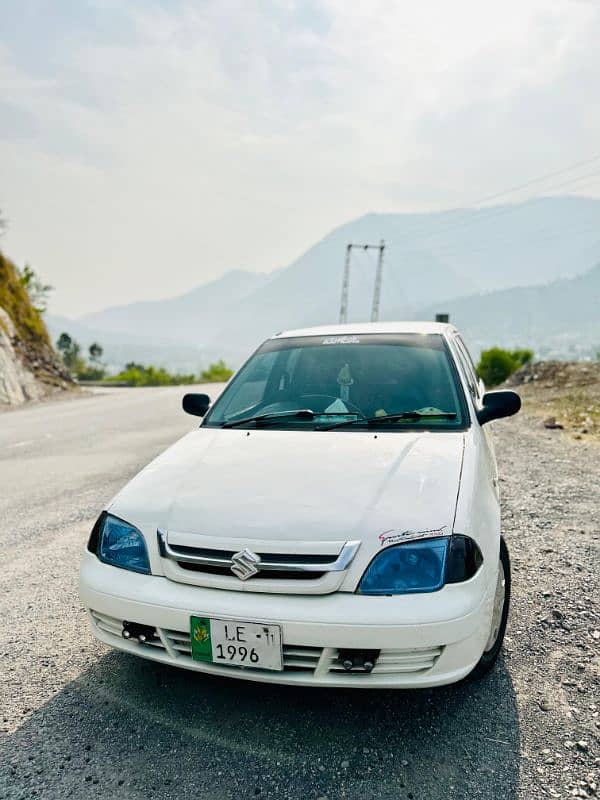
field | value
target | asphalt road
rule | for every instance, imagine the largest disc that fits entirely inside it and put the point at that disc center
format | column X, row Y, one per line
column 79, row 720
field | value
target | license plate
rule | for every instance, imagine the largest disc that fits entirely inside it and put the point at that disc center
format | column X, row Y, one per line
column 240, row 644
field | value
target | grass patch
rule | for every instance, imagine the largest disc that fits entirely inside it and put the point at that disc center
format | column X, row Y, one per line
column 14, row 300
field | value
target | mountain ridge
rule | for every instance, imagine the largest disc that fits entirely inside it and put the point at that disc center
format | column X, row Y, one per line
column 431, row 260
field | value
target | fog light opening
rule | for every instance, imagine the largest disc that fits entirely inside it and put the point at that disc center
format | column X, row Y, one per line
column 143, row 633
column 358, row 660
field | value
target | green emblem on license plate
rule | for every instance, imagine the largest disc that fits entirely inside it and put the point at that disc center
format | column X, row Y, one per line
column 200, row 637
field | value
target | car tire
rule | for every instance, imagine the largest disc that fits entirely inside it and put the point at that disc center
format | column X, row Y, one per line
column 499, row 620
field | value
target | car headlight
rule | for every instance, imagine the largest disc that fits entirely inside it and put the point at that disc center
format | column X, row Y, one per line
column 424, row 565
column 117, row 542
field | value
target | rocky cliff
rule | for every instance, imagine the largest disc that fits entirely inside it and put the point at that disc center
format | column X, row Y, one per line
column 29, row 367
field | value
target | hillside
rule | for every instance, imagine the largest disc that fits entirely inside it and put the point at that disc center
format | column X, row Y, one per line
column 190, row 317
column 29, row 367
column 554, row 319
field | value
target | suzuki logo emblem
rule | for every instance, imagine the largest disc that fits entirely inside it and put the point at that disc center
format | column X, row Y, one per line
column 245, row 564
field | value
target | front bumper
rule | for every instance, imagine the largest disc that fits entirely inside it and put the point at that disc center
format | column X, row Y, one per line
column 425, row 640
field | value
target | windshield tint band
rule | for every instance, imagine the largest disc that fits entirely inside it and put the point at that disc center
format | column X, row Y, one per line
column 427, row 341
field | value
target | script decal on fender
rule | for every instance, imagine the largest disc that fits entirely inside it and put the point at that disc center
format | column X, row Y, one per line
column 394, row 537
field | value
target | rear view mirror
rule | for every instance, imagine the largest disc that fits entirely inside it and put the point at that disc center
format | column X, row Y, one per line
column 196, row 404
column 497, row 405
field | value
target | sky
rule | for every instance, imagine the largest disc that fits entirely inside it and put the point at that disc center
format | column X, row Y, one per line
column 147, row 147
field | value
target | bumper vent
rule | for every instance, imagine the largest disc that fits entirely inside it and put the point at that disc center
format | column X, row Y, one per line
column 311, row 662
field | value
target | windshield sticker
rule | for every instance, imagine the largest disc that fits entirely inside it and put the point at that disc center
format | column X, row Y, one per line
column 394, row 537
column 341, row 340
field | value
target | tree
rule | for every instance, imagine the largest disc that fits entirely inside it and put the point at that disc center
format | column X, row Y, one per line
column 96, row 352
column 70, row 352
column 218, row 372
column 64, row 344
column 36, row 289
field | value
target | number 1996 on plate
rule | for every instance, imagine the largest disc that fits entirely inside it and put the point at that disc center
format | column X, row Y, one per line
column 240, row 644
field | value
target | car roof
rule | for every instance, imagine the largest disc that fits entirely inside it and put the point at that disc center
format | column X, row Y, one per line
column 443, row 328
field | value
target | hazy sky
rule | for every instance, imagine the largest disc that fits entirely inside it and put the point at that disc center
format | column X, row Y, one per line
column 146, row 147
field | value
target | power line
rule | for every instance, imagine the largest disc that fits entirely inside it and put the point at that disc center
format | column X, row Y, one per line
column 535, row 180
column 493, row 212
column 473, row 204
column 525, row 241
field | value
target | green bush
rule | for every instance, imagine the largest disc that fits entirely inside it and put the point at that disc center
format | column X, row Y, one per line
column 87, row 372
column 496, row 365
column 218, row 372
column 140, row 375
column 522, row 356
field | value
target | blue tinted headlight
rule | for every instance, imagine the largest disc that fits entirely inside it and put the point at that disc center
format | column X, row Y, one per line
column 407, row 568
column 122, row 545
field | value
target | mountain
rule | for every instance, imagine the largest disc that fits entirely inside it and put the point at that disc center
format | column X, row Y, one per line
column 191, row 317
column 430, row 259
column 555, row 319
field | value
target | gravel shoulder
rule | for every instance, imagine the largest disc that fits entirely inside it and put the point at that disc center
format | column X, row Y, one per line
column 79, row 720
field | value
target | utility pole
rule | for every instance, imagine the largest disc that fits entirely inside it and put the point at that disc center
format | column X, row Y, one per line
column 345, row 286
column 378, row 280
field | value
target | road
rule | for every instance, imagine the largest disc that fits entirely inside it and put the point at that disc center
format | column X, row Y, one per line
column 79, row 720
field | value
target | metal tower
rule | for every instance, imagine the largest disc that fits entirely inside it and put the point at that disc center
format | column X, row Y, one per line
column 378, row 280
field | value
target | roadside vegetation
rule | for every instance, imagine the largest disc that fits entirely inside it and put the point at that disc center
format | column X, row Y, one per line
column 90, row 367
column 562, row 394
column 218, row 372
column 141, row 375
column 22, row 302
column 496, row 364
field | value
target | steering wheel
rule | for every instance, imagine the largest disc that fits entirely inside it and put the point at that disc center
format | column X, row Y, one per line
column 327, row 399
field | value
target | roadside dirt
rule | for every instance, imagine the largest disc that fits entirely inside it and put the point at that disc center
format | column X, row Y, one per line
column 562, row 393
column 549, row 485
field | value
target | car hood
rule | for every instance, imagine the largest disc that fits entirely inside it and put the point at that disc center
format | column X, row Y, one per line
column 299, row 485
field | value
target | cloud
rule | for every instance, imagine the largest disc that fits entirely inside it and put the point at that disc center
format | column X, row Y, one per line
column 147, row 147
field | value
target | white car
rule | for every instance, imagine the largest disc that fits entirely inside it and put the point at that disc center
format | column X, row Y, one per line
column 333, row 521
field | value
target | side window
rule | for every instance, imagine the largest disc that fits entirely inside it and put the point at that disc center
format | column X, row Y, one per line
column 465, row 350
column 467, row 366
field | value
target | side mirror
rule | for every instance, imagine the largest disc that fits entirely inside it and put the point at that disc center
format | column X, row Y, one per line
column 196, row 404
column 498, row 404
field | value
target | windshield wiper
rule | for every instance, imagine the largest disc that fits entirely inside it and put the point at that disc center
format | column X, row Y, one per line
column 301, row 413
column 390, row 418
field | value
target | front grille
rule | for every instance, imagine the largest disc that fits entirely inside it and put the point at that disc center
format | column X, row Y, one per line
column 256, row 565
column 280, row 558
column 297, row 658
column 281, row 574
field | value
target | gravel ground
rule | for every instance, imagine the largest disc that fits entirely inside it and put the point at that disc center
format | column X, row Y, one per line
column 79, row 720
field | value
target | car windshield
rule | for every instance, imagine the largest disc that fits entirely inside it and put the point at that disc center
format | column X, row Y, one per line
column 357, row 379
